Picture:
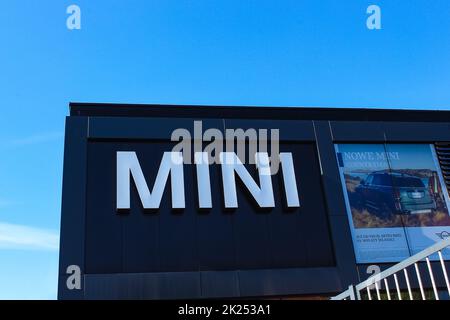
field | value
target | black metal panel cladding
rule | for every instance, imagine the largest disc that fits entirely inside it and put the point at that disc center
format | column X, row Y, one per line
column 443, row 153
column 113, row 255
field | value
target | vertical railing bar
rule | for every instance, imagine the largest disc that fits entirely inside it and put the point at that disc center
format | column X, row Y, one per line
column 387, row 288
column 416, row 266
column 377, row 289
column 444, row 270
column 399, row 293
column 430, row 270
column 351, row 288
column 407, row 284
column 358, row 294
column 368, row 293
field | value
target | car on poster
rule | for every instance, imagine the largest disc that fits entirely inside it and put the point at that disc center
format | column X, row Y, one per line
column 389, row 193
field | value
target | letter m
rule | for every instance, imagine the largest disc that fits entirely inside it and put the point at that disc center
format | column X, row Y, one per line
column 128, row 165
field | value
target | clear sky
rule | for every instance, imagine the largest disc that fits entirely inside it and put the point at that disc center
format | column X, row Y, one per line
column 281, row 53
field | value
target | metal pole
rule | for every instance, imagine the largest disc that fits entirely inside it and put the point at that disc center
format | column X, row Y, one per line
column 377, row 289
column 399, row 293
column 444, row 270
column 430, row 270
column 420, row 280
column 407, row 284
column 387, row 288
column 352, row 292
column 368, row 293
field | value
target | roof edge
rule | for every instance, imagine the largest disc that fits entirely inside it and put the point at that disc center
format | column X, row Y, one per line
column 264, row 112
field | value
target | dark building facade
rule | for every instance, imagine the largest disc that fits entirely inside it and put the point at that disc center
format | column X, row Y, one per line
column 356, row 188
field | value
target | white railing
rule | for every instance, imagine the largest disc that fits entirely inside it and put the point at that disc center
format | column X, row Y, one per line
column 348, row 294
column 380, row 281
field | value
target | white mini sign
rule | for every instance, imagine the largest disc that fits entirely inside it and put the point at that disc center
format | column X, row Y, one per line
column 172, row 164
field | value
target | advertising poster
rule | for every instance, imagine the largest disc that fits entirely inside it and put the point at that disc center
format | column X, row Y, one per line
column 396, row 200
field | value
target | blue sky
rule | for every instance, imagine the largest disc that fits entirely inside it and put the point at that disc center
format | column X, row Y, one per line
column 281, row 53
